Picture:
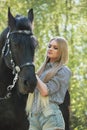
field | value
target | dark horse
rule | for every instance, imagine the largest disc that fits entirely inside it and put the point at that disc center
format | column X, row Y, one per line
column 17, row 71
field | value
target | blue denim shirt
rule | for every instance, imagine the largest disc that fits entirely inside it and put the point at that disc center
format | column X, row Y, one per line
column 57, row 85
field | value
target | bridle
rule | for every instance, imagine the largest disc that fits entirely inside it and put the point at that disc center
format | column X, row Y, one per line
column 15, row 68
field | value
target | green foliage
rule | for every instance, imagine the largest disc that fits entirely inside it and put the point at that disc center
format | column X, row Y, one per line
column 66, row 18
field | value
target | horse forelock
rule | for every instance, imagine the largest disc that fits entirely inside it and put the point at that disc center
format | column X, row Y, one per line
column 23, row 23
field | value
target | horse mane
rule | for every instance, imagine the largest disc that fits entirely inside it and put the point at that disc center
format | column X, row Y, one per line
column 3, row 38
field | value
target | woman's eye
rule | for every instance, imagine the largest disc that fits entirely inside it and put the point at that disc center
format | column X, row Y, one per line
column 53, row 47
column 56, row 48
column 49, row 46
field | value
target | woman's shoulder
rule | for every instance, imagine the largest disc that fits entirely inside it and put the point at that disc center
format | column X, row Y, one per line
column 65, row 70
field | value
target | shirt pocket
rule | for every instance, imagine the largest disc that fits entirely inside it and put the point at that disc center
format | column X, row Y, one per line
column 48, row 112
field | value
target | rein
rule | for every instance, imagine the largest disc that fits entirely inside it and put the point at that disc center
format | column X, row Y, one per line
column 16, row 69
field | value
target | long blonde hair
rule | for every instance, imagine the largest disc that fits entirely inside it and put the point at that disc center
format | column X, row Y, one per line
column 63, row 48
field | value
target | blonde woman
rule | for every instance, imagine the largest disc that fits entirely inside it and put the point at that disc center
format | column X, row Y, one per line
column 53, row 82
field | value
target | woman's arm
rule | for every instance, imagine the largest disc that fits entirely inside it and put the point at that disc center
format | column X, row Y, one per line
column 60, row 82
column 42, row 87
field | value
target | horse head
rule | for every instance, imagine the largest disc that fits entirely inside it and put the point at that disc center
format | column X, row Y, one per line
column 18, row 51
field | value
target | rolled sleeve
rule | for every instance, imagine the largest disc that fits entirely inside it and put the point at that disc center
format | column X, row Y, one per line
column 60, row 82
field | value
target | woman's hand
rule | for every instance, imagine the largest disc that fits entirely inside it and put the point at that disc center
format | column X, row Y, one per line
column 42, row 87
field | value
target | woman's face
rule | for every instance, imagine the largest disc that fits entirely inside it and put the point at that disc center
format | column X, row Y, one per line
column 53, row 52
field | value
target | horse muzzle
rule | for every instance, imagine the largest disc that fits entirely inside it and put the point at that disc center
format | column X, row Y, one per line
column 26, row 86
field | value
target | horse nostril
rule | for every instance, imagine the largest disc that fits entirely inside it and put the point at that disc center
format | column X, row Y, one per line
column 25, row 82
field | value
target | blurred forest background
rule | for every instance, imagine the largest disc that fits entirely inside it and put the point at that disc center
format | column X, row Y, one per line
column 67, row 18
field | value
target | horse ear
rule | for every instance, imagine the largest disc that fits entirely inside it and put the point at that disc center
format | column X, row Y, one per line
column 31, row 15
column 11, row 19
